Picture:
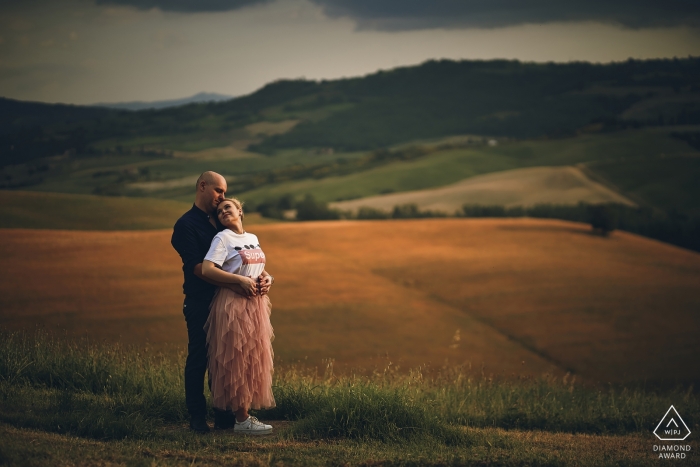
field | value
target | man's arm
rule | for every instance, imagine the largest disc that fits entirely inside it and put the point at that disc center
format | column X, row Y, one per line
column 184, row 240
column 213, row 274
column 235, row 287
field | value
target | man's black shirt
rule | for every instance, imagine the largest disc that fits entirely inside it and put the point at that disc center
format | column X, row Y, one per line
column 192, row 236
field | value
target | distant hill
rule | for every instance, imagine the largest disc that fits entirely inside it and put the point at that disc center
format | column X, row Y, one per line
column 32, row 130
column 436, row 99
column 18, row 117
column 635, row 125
column 141, row 105
column 498, row 98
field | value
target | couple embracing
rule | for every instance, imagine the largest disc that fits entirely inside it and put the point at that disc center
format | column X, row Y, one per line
column 227, row 311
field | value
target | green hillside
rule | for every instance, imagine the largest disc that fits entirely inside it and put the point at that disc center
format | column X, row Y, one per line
column 436, row 99
column 35, row 210
column 631, row 161
column 649, row 166
column 24, row 209
column 634, row 125
column 498, row 98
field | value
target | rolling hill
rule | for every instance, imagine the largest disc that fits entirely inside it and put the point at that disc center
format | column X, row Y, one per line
column 37, row 210
column 500, row 296
column 141, row 105
column 635, row 126
column 436, row 99
column 648, row 166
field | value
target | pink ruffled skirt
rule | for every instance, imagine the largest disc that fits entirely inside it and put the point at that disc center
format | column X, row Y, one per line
column 239, row 338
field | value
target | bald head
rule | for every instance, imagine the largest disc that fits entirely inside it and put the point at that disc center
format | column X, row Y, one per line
column 211, row 190
column 209, row 177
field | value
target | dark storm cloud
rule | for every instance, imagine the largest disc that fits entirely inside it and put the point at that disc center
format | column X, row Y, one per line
column 421, row 14
column 190, row 6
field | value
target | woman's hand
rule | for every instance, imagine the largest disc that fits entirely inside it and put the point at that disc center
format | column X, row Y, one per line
column 264, row 283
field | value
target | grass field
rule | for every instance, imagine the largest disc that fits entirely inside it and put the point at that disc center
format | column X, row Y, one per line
column 502, row 297
column 36, row 448
column 517, row 187
column 37, row 210
column 649, row 178
column 79, row 404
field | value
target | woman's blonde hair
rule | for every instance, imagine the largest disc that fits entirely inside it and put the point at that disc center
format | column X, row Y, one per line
column 236, row 202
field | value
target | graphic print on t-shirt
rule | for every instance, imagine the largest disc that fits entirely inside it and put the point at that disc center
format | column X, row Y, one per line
column 252, row 259
column 237, row 253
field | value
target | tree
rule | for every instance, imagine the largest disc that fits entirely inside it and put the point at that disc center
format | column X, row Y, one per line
column 602, row 218
column 309, row 209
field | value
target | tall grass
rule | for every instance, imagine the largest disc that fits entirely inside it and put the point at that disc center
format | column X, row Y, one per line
column 452, row 396
column 95, row 391
column 552, row 404
column 355, row 407
column 108, row 392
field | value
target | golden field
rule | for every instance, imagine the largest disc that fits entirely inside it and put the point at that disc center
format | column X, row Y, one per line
column 502, row 296
column 517, row 187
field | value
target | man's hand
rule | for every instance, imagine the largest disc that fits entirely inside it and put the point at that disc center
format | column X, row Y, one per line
column 264, row 283
column 235, row 287
column 248, row 286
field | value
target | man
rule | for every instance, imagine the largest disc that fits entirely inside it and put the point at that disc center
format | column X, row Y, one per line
column 192, row 237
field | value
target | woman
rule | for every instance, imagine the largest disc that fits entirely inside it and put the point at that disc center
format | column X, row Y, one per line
column 239, row 333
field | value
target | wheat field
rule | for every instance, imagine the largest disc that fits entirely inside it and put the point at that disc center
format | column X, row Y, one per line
column 517, row 187
column 502, row 297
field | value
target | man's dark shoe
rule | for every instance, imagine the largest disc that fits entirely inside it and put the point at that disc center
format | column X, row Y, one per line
column 199, row 424
column 224, row 419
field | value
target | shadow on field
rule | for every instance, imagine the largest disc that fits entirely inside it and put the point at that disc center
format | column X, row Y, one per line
column 550, row 228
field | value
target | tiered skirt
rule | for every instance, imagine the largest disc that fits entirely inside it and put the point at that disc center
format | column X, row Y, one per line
column 239, row 339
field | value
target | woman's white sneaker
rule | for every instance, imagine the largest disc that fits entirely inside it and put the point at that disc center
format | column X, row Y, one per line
column 252, row 426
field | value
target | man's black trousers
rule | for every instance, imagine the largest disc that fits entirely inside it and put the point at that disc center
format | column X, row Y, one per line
column 196, row 312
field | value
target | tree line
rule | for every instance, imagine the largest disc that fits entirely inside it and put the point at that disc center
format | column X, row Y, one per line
column 670, row 227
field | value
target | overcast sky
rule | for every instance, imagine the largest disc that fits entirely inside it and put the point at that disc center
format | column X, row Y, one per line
column 87, row 51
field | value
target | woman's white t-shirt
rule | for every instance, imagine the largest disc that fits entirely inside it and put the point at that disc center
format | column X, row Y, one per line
column 237, row 253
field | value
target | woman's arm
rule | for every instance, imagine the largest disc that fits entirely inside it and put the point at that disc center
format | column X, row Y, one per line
column 235, row 287
column 212, row 272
